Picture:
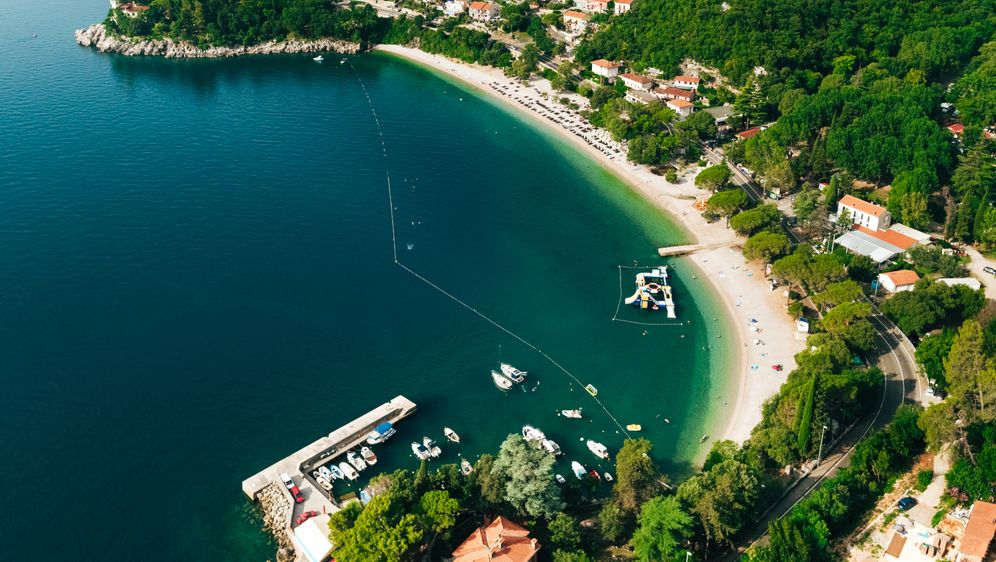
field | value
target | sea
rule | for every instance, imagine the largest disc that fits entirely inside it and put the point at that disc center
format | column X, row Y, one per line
column 197, row 278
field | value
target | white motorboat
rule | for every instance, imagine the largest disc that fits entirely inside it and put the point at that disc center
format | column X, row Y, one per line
column 465, row 467
column 381, row 433
column 597, row 449
column 326, row 473
column 319, row 58
column 608, row 477
column 336, row 472
column 512, row 373
column 421, row 452
column 368, row 456
column 315, row 474
column 343, row 61
column 560, row 479
column 355, row 460
column 530, row 433
column 501, row 381
column 431, row 446
column 349, row 471
column 451, row 435
column 551, row 447
column 578, row 470
column 573, row 414
column 324, row 484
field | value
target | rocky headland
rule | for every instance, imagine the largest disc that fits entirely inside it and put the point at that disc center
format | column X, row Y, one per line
column 97, row 36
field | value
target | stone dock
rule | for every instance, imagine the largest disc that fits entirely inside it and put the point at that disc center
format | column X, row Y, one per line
column 265, row 487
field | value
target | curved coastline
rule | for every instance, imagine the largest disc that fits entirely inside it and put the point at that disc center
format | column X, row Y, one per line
column 96, row 36
column 721, row 264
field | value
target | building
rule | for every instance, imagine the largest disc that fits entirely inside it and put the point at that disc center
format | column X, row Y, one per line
column 920, row 237
column 597, row 6
column 483, row 11
column 576, row 22
column 311, row 539
column 861, row 243
column 130, row 9
column 863, row 213
column 500, row 541
column 671, row 93
column 636, row 82
column 686, row 82
column 957, row 130
column 623, row 6
column 639, row 96
column 681, row 107
column 978, row 533
column 744, row 135
column 898, row 281
column 454, row 8
column 970, row 282
column 602, row 67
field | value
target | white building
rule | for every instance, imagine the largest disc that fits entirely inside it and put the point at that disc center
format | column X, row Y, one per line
column 601, row 67
column 637, row 82
column 483, row 11
column 623, row 6
column 898, row 281
column 865, row 214
column 576, row 22
column 597, row 6
column 970, row 282
column 687, row 82
column 454, row 8
column 681, row 107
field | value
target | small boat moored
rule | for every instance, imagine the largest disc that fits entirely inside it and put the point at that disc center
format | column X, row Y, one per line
column 451, row 435
column 501, row 381
column 597, row 449
column 560, row 479
column 465, row 467
column 634, row 427
column 573, row 414
column 608, row 477
column 368, row 456
column 381, row 433
column 325, row 473
column 336, row 472
column 551, row 447
column 349, row 471
column 513, row 374
column 325, row 484
column 591, row 390
column 594, row 474
column 355, row 460
column 430, row 445
column 578, row 470
column 420, row 451
column 319, row 58
column 530, row 433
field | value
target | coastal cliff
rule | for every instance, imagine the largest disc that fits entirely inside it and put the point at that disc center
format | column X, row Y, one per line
column 96, row 36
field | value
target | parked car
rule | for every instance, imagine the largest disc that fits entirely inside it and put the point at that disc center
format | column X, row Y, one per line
column 305, row 516
column 989, row 270
column 294, row 490
column 906, row 503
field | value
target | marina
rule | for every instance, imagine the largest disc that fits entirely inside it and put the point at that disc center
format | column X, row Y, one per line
column 331, row 457
column 653, row 291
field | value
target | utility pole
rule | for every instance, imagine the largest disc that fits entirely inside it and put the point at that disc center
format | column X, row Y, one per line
column 819, row 456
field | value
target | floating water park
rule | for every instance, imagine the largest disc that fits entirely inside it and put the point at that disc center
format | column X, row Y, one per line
column 653, row 291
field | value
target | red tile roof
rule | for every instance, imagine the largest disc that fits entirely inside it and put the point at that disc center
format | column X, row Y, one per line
column 863, row 206
column 898, row 240
column 480, row 6
column 980, row 530
column 601, row 62
column 501, row 541
column 576, row 15
column 743, row 135
column 680, row 104
column 624, row 1
column 133, row 7
column 689, row 79
column 956, row 129
column 636, row 78
column 903, row 277
column 676, row 93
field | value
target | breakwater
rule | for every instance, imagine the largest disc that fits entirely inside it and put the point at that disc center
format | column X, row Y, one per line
column 98, row 37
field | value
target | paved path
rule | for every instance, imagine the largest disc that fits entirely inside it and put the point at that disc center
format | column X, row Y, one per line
column 978, row 261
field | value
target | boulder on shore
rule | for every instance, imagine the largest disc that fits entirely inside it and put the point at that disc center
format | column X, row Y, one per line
column 98, row 37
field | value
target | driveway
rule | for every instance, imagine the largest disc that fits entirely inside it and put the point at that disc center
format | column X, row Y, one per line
column 978, row 261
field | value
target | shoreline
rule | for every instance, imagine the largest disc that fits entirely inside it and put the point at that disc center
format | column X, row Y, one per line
column 721, row 265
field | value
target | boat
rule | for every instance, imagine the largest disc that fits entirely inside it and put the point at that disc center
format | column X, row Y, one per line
column 336, row 472
column 319, row 58
column 326, row 473
column 368, row 456
column 597, row 449
column 608, row 477
column 578, row 470
column 560, row 479
column 703, row 440
column 420, row 451
column 349, row 471
column 365, row 496
column 634, row 427
column 465, row 467
column 315, row 474
column 343, row 61
column 501, row 381
column 325, row 484
column 591, row 390
column 530, row 433
column 431, row 446
column 594, row 474
column 515, row 375
column 573, row 414
column 381, row 433
column 451, row 435
column 355, row 460
column 551, row 447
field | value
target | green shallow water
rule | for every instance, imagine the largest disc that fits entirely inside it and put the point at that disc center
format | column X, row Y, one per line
column 197, row 281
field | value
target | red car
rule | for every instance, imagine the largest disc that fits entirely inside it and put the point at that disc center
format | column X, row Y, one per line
column 777, row 367
column 305, row 516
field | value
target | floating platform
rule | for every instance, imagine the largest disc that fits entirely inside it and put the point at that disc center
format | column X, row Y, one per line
column 653, row 292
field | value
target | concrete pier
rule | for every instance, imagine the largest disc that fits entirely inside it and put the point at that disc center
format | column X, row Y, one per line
column 321, row 452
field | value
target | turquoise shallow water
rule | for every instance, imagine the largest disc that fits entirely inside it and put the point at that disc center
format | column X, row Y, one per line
column 197, row 280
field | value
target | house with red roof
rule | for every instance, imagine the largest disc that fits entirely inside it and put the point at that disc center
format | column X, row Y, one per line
column 605, row 68
column 636, row 81
column 483, row 11
column 576, row 22
column 623, row 6
column 898, row 281
column 672, row 93
column 863, row 213
column 979, row 533
column 686, row 82
column 744, row 135
column 957, row 130
column 499, row 541
column 681, row 107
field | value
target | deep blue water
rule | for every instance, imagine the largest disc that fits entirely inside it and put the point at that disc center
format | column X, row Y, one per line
column 196, row 280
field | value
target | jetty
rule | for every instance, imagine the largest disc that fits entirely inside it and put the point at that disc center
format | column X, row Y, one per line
column 267, row 488
column 653, row 291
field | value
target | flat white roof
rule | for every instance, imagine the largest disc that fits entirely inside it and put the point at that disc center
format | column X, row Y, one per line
column 861, row 243
column 913, row 233
column 967, row 281
column 312, row 538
